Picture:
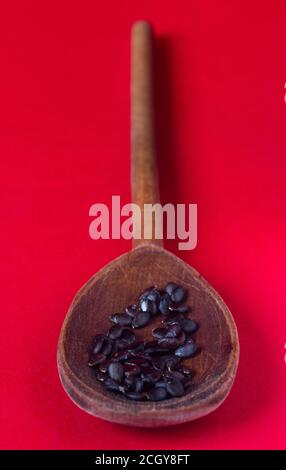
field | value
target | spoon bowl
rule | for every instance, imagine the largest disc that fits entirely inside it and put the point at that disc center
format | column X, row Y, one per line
column 118, row 284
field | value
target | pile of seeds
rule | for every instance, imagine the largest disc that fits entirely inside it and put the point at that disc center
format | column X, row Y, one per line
column 150, row 370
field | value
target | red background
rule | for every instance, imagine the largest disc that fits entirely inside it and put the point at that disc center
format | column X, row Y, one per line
column 64, row 143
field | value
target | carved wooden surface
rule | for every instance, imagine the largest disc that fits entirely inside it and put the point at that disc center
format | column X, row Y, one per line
column 118, row 285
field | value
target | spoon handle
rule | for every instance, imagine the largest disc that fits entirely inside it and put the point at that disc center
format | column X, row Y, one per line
column 144, row 175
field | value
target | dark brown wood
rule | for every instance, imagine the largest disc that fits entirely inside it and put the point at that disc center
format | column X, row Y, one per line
column 144, row 177
column 120, row 282
column 111, row 289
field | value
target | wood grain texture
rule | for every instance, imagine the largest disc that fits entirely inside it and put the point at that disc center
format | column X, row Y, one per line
column 144, row 175
column 120, row 282
column 118, row 285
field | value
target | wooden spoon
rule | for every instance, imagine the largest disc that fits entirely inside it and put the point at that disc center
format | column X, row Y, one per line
column 120, row 282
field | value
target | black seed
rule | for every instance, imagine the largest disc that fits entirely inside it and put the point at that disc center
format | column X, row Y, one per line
column 178, row 295
column 188, row 326
column 131, row 310
column 173, row 318
column 101, row 377
column 135, row 347
column 164, row 304
column 166, row 362
column 114, row 347
column 156, row 350
column 138, row 385
column 173, row 331
column 146, row 305
column 159, row 362
column 159, row 332
column 116, row 371
column 111, row 385
column 150, row 375
column 128, row 336
column 160, row 383
column 107, row 347
column 115, row 331
column 174, row 374
column 95, row 359
column 97, row 343
column 135, row 395
column 141, row 319
column 130, row 380
column 175, row 388
column 172, row 362
column 170, row 287
column 138, row 355
column 122, row 319
column 137, row 362
column 104, row 366
column 160, row 351
column 131, row 369
column 120, row 356
column 157, row 394
column 186, row 350
column 169, row 343
column 146, row 292
column 120, row 344
column 181, row 309
column 149, row 306
column 154, row 295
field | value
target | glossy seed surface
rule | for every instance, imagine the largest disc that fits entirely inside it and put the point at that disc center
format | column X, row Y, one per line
column 175, row 388
column 147, row 305
column 173, row 317
column 150, row 375
column 182, row 309
column 169, row 343
column 115, row 331
column 172, row 362
column 173, row 331
column 107, row 347
column 164, row 304
column 152, row 369
column 178, row 295
column 116, row 371
column 174, row 375
column 111, row 385
column 186, row 350
column 135, row 395
column 120, row 356
column 135, row 347
column 188, row 325
column 128, row 336
column 157, row 394
column 159, row 333
column 131, row 369
column 122, row 319
column 131, row 310
column 170, row 287
column 141, row 319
